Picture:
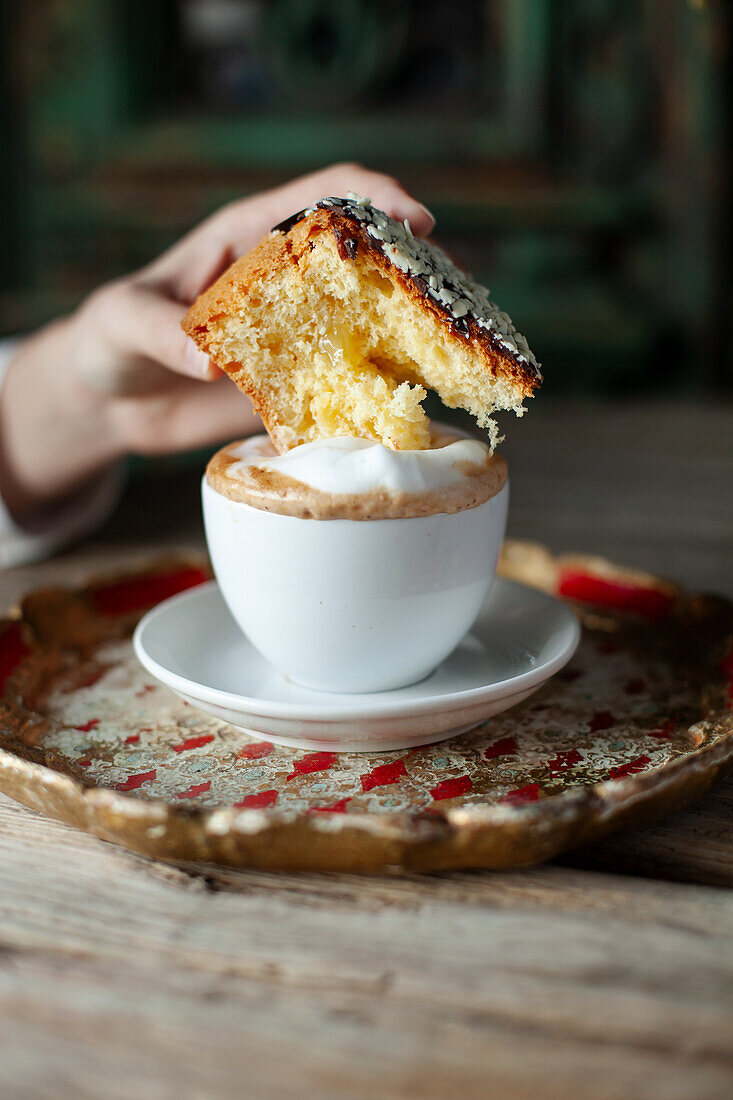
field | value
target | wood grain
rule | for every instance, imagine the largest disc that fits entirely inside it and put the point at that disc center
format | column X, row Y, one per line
column 607, row 979
column 694, row 845
column 129, row 971
column 646, row 484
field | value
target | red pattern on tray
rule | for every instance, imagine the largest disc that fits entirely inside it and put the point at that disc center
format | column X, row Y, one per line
column 632, row 768
column 601, row 720
column 13, row 651
column 194, row 743
column 505, row 746
column 151, row 745
column 564, row 761
column 451, row 788
column 136, row 593
column 313, row 762
column 195, row 790
column 334, row 808
column 383, row 775
column 262, row 800
column 522, row 795
column 134, row 782
column 652, row 603
column 664, row 732
column 255, row 750
column 86, row 727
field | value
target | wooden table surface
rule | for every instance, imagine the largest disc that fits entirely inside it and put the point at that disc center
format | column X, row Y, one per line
column 609, row 975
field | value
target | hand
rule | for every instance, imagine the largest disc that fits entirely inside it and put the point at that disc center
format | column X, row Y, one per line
column 119, row 376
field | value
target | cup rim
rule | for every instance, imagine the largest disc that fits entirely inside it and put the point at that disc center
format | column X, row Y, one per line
column 207, row 487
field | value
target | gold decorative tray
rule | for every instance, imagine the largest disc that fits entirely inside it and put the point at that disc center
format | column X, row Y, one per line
column 639, row 723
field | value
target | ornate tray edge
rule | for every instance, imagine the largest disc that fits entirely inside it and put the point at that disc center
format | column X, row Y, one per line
column 489, row 837
column 492, row 837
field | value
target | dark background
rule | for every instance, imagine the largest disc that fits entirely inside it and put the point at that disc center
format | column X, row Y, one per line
column 575, row 152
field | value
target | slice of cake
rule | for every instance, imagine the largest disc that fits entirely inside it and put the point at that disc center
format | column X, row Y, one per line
column 338, row 322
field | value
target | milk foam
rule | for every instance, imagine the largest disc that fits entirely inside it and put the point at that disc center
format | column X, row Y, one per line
column 359, row 479
column 344, row 465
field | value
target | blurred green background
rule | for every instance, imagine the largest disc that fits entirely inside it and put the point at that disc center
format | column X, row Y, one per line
column 576, row 153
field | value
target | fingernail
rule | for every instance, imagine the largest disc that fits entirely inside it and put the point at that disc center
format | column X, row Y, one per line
column 197, row 361
column 428, row 213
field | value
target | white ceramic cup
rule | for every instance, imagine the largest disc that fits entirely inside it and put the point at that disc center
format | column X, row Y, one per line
column 354, row 605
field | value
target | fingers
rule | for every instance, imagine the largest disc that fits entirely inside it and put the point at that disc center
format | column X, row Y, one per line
column 141, row 324
column 246, row 222
column 189, row 415
column 200, row 415
column 193, row 264
column 197, row 260
column 385, row 192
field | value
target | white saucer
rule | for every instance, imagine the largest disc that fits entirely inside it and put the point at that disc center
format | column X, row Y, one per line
column 193, row 646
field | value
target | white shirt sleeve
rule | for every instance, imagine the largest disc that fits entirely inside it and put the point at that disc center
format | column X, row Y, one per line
column 20, row 544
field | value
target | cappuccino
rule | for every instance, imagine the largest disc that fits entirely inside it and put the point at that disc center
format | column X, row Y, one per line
column 359, row 479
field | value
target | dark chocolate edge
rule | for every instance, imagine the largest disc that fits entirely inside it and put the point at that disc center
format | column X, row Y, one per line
column 460, row 325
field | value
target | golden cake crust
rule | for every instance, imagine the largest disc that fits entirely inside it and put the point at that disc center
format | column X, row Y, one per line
column 280, row 253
